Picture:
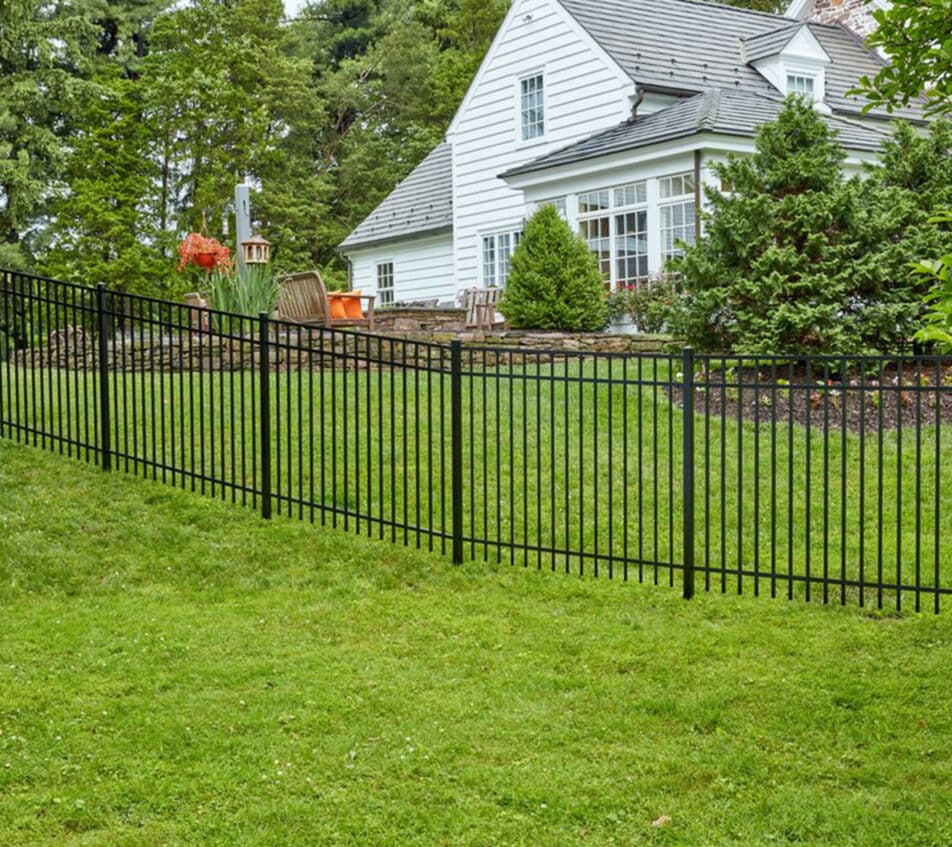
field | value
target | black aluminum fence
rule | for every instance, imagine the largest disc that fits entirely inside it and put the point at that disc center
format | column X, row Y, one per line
column 819, row 479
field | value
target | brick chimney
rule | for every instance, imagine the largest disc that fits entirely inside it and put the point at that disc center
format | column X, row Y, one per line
column 855, row 15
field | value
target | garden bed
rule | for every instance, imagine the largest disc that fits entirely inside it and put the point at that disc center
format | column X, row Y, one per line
column 884, row 398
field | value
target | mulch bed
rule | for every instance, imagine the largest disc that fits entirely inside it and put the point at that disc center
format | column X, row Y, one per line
column 878, row 399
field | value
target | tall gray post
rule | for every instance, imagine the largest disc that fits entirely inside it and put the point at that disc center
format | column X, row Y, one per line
column 242, row 221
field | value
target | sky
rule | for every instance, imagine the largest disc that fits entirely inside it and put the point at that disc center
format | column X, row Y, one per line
column 292, row 7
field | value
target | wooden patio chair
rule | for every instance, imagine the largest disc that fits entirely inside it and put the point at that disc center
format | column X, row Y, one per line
column 480, row 305
column 198, row 310
column 304, row 299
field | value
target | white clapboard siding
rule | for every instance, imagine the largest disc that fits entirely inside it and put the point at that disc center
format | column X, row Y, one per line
column 584, row 93
column 422, row 268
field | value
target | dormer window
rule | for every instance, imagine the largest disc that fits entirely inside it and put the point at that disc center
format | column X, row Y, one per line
column 532, row 105
column 791, row 59
column 802, row 85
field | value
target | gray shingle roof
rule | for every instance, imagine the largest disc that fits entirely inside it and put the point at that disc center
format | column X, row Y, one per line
column 768, row 43
column 422, row 203
column 716, row 111
column 691, row 46
column 683, row 46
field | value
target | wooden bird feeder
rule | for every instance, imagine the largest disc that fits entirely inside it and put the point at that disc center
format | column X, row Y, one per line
column 256, row 250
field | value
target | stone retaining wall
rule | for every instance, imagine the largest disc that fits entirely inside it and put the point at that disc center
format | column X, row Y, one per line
column 208, row 351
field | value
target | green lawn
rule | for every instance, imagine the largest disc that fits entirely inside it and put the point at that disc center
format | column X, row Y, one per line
column 175, row 672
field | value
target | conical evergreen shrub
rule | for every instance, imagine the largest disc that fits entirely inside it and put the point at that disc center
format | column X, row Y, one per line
column 554, row 282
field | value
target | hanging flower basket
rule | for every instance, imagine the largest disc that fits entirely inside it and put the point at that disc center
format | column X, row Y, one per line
column 203, row 252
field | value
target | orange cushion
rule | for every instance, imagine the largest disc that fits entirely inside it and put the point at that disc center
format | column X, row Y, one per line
column 352, row 305
column 336, row 302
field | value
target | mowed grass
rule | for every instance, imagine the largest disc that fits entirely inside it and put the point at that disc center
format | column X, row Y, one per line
column 173, row 671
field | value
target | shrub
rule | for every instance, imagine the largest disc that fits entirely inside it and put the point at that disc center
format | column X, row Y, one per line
column 799, row 259
column 653, row 307
column 938, row 323
column 554, row 281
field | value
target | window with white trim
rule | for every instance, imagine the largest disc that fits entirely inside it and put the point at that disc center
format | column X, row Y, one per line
column 558, row 202
column 497, row 250
column 385, row 284
column 532, row 107
column 614, row 223
column 678, row 213
column 801, row 84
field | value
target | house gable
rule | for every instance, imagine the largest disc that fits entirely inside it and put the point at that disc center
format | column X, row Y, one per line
column 523, row 9
column 582, row 91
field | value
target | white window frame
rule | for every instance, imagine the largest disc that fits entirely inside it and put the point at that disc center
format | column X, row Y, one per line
column 671, row 232
column 494, row 273
column 619, row 201
column 521, row 126
column 560, row 203
column 385, row 293
column 796, row 77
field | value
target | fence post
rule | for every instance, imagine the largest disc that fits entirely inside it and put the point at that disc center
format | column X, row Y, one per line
column 105, row 424
column 264, row 422
column 456, row 444
column 687, row 394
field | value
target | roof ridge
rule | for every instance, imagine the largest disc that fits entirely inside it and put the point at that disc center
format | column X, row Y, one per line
column 791, row 24
column 710, row 107
column 739, row 9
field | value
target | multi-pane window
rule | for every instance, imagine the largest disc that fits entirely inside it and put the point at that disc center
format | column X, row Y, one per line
column 497, row 253
column 558, row 202
column 678, row 214
column 594, row 201
column 800, row 84
column 614, row 223
column 631, row 247
column 532, row 103
column 679, row 185
column 385, row 283
column 489, row 260
column 597, row 232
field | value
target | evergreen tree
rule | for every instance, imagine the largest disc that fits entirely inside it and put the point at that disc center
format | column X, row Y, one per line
column 220, row 99
column 798, row 259
column 554, row 282
column 44, row 56
column 102, row 229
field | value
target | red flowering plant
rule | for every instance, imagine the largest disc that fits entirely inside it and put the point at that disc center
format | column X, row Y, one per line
column 650, row 305
column 204, row 252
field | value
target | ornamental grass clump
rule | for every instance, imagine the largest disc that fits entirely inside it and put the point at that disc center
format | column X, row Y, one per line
column 248, row 292
column 554, row 282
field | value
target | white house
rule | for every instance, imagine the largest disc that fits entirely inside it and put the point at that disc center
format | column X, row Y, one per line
column 612, row 110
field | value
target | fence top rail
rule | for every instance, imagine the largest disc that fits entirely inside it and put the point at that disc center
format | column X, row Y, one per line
column 6, row 273
column 786, row 360
column 705, row 362
column 9, row 278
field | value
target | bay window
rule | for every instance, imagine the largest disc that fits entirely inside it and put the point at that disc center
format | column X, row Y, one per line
column 614, row 223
